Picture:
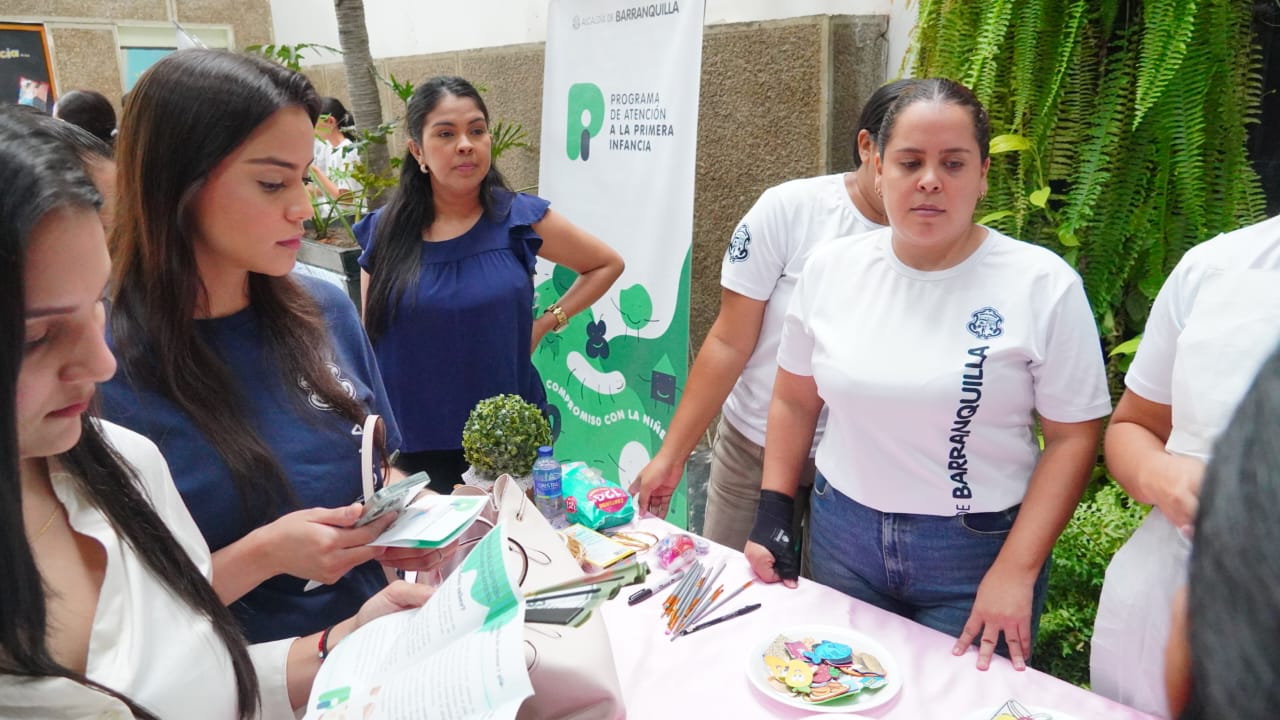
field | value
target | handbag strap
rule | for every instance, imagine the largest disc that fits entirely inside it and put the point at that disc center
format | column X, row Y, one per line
column 368, row 458
column 503, row 489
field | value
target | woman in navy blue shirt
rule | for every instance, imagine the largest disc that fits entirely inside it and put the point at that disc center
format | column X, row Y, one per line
column 254, row 383
column 447, row 281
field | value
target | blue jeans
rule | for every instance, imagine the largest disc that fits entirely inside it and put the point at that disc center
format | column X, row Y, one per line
column 923, row 567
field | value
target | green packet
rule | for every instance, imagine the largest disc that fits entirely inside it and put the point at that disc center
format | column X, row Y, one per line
column 592, row 501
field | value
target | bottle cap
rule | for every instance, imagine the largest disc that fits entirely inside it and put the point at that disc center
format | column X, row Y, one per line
column 544, row 451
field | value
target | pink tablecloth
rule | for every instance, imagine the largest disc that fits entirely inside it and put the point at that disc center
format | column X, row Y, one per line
column 704, row 675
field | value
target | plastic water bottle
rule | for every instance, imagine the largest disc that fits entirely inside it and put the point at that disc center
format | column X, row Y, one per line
column 547, row 494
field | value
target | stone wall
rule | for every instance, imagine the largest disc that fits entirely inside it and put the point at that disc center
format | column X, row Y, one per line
column 83, row 33
column 779, row 100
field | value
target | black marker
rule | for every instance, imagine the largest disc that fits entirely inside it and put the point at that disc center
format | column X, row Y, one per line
column 722, row 618
column 646, row 593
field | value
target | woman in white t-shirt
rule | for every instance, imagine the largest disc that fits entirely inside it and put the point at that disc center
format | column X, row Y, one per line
column 335, row 157
column 107, row 609
column 1210, row 329
column 739, row 358
column 936, row 344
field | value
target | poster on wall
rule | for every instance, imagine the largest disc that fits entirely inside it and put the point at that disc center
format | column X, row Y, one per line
column 26, row 75
column 618, row 150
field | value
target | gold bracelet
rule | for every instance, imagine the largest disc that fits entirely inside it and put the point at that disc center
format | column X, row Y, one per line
column 635, row 539
column 562, row 320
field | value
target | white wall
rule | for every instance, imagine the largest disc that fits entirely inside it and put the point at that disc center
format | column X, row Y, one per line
column 414, row 27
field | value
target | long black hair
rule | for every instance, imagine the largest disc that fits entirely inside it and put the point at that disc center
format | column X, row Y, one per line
column 333, row 107
column 873, row 112
column 39, row 175
column 395, row 261
column 187, row 113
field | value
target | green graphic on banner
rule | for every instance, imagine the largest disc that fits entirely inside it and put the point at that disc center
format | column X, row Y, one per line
column 585, row 118
column 612, row 399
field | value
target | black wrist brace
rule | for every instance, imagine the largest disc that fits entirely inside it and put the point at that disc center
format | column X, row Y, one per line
column 773, row 530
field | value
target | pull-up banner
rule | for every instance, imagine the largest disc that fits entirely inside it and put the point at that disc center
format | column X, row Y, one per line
column 619, row 142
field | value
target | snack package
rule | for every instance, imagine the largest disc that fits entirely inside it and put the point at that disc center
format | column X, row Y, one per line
column 592, row 501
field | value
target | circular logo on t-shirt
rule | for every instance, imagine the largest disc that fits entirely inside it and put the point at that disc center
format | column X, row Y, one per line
column 985, row 324
column 320, row 403
column 738, row 244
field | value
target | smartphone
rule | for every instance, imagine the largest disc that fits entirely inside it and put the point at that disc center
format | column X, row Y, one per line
column 553, row 615
column 392, row 498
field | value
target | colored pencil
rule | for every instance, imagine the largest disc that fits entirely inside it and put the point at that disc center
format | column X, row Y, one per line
column 732, row 594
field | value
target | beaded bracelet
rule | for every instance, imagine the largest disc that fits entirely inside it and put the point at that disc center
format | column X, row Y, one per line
column 323, row 646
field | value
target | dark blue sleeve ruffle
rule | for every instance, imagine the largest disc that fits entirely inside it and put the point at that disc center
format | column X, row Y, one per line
column 364, row 231
column 525, row 211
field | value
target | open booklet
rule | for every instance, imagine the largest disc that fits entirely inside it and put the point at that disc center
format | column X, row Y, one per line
column 432, row 521
column 458, row 657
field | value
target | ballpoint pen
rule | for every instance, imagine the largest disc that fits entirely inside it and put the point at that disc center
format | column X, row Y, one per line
column 722, row 618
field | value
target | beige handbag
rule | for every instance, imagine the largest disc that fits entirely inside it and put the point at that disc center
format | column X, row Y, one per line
column 571, row 668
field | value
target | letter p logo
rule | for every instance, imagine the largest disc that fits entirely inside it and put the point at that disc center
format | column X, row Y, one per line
column 586, row 117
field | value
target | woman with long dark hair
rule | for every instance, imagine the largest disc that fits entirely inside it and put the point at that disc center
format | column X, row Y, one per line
column 448, row 278
column 107, row 605
column 254, row 383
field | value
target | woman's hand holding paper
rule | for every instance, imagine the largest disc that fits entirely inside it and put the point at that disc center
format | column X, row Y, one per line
column 397, row 596
column 418, row 559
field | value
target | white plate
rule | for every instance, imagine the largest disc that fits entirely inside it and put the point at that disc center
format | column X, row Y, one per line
column 1037, row 712
column 756, row 670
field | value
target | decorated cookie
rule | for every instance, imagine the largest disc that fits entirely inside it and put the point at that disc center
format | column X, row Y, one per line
column 778, row 648
column 831, row 652
column 777, row 667
column 797, row 648
column 826, row 691
column 858, row 684
column 799, row 675
column 870, row 662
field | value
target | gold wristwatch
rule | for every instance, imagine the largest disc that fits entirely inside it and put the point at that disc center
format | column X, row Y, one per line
column 562, row 319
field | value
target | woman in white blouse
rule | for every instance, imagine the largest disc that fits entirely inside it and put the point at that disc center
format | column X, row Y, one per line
column 107, row 610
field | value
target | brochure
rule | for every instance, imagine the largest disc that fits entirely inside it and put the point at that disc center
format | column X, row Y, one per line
column 432, row 521
column 458, row 657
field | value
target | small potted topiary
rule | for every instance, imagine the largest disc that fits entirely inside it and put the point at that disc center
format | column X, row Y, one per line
column 502, row 436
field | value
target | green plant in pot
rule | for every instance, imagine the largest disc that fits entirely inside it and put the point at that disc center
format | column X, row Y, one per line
column 502, row 435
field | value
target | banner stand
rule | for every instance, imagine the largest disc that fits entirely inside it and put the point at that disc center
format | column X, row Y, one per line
column 619, row 148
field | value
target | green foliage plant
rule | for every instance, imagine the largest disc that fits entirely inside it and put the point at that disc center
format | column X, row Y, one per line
column 1126, row 125
column 1119, row 142
column 503, row 434
column 289, row 56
